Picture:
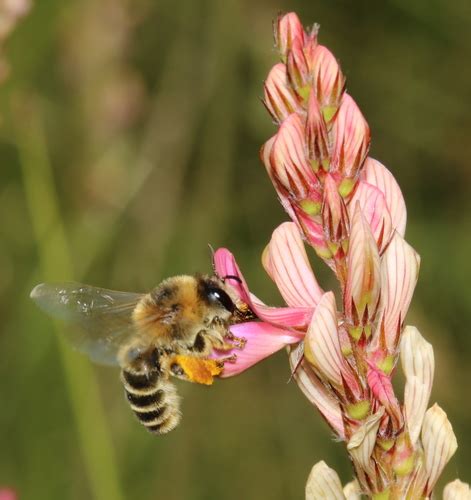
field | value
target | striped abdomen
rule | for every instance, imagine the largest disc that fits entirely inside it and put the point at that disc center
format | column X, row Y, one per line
column 154, row 400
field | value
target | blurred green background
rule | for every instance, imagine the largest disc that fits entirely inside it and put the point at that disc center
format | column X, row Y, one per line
column 129, row 139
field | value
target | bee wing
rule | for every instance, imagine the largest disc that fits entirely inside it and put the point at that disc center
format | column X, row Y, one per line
column 102, row 318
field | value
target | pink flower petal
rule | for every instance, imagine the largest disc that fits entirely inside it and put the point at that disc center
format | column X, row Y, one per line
column 288, row 162
column 322, row 347
column 287, row 264
column 297, row 68
column 351, row 139
column 363, row 277
column 373, row 206
column 225, row 265
column 289, row 317
column 327, row 77
column 287, row 29
column 316, row 134
column 418, row 365
column 312, row 228
column 382, row 389
column 334, row 212
column 317, row 393
column 280, row 98
column 263, row 340
column 378, row 175
column 399, row 272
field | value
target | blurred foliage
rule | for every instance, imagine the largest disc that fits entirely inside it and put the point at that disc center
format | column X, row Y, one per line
column 129, row 139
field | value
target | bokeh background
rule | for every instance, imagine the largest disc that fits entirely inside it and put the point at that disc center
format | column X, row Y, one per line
column 129, row 140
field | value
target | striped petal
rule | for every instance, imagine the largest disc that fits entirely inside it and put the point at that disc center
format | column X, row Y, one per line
column 327, row 80
column 418, row 366
column 316, row 392
column 288, row 162
column 321, row 345
column 352, row 490
column 399, row 272
column 373, row 206
column 362, row 442
column 363, row 277
column 323, row 482
column 382, row 389
column 288, row 28
column 283, row 194
column 286, row 262
column 351, row 139
column 439, row 443
column 280, row 98
column 376, row 174
column 262, row 340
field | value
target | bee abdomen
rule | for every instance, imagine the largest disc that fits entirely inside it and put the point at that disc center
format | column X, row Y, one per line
column 154, row 401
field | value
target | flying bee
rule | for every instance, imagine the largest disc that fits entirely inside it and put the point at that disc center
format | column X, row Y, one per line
column 171, row 331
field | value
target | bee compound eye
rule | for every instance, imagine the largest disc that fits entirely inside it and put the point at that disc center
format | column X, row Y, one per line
column 177, row 370
column 218, row 296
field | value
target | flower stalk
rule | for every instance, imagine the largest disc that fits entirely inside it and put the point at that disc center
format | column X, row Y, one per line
column 349, row 208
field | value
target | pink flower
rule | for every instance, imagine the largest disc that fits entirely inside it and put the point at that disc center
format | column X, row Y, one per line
column 286, row 262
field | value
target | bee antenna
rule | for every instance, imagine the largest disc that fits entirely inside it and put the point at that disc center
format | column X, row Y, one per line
column 213, row 264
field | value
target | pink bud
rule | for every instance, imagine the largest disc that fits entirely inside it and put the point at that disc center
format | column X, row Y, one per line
column 376, row 174
column 351, row 139
column 288, row 163
column 316, row 136
column 287, row 28
column 327, row 80
column 280, row 99
column 373, row 205
column 334, row 213
column 298, row 71
column 382, row 389
column 363, row 279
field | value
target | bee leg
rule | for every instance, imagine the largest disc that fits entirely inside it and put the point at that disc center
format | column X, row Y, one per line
column 228, row 359
column 239, row 342
column 220, row 334
column 198, row 370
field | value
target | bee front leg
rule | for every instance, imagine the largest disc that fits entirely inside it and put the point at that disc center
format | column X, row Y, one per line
column 221, row 337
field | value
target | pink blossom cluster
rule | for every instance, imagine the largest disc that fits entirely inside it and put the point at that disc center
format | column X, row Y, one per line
column 350, row 209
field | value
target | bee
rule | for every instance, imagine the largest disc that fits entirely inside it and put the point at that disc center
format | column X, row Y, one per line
column 169, row 332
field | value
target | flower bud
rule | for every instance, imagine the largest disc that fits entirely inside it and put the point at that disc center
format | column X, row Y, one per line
column 287, row 29
column 351, row 139
column 288, row 163
column 280, row 99
column 316, row 136
column 363, row 278
column 298, row 71
column 327, row 80
column 323, row 482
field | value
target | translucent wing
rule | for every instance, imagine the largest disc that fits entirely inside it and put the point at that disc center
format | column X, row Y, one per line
column 102, row 319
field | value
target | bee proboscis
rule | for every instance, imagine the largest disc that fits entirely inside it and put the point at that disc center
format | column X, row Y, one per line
column 170, row 331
